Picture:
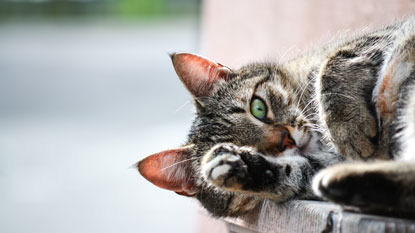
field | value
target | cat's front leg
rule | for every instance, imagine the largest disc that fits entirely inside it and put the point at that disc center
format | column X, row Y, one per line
column 379, row 186
column 244, row 170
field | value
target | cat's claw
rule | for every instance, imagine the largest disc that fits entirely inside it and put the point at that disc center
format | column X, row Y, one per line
column 223, row 167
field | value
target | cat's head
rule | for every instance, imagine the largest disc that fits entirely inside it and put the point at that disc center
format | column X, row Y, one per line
column 258, row 105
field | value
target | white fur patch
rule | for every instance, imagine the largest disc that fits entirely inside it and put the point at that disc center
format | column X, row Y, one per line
column 220, row 171
column 232, row 158
column 407, row 136
column 318, row 179
column 208, row 166
column 214, row 169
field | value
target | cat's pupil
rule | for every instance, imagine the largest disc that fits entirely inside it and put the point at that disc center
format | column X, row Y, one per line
column 258, row 108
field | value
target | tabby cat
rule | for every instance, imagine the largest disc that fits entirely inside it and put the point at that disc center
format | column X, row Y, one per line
column 336, row 124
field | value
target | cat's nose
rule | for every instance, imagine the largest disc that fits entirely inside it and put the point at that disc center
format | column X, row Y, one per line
column 276, row 140
column 286, row 141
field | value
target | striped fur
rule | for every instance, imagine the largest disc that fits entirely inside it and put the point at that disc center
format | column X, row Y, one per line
column 346, row 106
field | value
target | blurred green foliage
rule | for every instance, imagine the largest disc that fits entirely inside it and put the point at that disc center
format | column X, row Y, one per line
column 141, row 7
column 21, row 9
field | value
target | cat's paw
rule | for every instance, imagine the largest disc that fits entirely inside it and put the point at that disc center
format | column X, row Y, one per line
column 224, row 167
column 366, row 186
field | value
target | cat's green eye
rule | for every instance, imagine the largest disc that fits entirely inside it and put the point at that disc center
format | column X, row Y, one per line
column 258, row 108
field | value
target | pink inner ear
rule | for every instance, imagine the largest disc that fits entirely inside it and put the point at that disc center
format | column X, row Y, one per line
column 168, row 170
column 199, row 74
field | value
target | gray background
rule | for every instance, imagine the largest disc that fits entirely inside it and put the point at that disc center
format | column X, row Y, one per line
column 80, row 102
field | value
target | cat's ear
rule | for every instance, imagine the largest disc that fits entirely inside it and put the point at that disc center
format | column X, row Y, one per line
column 199, row 74
column 170, row 170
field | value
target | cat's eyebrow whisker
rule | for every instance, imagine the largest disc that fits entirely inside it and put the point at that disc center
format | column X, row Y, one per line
column 175, row 164
column 302, row 93
column 300, row 86
column 297, row 90
column 305, row 107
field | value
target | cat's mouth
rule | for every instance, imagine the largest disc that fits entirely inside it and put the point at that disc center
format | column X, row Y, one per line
column 301, row 140
column 286, row 140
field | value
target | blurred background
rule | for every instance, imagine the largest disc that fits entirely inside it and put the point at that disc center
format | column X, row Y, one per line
column 87, row 89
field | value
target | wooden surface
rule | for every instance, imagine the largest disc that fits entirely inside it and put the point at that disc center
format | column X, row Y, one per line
column 313, row 216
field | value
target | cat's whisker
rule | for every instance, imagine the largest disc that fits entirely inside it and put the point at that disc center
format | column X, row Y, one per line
column 312, row 108
column 311, row 114
column 317, row 130
column 281, row 58
column 309, row 123
column 313, row 126
column 182, row 106
column 297, row 90
column 177, row 163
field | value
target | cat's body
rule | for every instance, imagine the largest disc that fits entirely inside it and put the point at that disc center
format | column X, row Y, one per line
column 266, row 130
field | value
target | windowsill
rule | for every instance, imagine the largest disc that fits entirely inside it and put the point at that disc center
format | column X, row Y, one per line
column 314, row 216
